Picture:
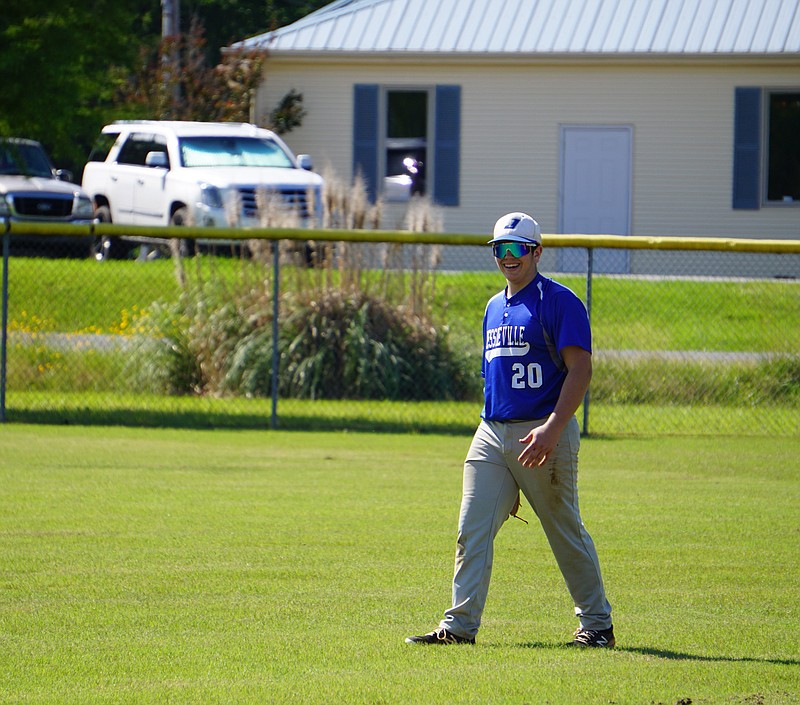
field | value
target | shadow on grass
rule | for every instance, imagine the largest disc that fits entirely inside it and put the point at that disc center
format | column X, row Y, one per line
column 669, row 655
column 200, row 420
column 680, row 656
column 138, row 418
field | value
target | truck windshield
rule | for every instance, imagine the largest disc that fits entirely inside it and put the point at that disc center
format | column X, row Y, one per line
column 24, row 158
column 232, row 151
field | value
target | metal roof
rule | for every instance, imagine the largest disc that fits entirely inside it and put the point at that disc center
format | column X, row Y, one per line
column 542, row 27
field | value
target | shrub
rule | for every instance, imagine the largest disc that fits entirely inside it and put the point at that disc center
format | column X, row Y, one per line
column 357, row 324
column 348, row 345
column 334, row 343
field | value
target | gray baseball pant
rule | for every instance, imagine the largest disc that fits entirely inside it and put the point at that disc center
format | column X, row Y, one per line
column 492, row 479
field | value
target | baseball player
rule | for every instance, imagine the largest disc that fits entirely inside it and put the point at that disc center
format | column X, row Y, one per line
column 537, row 364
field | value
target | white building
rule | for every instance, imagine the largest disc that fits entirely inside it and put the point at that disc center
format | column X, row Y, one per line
column 632, row 117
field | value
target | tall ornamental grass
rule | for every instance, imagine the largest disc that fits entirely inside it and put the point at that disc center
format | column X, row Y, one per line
column 355, row 320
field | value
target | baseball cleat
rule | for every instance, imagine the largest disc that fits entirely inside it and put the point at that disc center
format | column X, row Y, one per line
column 439, row 636
column 597, row 638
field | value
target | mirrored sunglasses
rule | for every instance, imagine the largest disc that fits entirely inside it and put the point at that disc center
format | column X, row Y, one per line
column 515, row 249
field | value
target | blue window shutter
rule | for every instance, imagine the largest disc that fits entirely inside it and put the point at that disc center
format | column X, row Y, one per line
column 447, row 147
column 747, row 148
column 365, row 135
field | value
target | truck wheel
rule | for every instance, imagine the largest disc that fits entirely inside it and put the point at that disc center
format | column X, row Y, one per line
column 104, row 247
column 180, row 218
column 101, row 246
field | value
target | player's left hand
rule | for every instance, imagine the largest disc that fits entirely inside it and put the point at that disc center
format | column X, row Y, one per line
column 540, row 443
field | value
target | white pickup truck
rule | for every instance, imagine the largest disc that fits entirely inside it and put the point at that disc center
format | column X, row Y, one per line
column 196, row 173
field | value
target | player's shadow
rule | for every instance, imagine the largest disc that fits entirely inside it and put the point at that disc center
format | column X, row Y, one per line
column 671, row 655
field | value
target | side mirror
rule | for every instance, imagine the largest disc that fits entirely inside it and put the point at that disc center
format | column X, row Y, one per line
column 157, row 159
column 64, row 175
column 305, row 161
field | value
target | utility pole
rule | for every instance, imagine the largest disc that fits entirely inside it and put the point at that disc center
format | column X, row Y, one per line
column 170, row 31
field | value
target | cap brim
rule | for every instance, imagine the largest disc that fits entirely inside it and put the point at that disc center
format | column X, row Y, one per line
column 513, row 238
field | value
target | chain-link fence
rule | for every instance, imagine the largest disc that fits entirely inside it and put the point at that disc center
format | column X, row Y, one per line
column 363, row 334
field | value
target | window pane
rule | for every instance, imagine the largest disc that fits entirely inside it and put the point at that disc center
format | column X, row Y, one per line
column 24, row 158
column 407, row 138
column 784, row 147
column 134, row 150
column 232, row 151
column 407, row 114
column 103, row 146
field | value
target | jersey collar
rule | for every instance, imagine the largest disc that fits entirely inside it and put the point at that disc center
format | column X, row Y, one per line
column 524, row 290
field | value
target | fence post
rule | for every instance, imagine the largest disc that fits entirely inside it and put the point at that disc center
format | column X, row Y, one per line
column 276, row 265
column 589, row 269
column 4, row 325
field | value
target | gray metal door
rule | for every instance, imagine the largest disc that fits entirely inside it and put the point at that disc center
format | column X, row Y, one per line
column 595, row 192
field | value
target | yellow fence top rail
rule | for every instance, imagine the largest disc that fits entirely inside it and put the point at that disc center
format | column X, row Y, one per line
column 632, row 242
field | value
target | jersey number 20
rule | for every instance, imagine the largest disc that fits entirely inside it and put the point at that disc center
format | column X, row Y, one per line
column 530, row 376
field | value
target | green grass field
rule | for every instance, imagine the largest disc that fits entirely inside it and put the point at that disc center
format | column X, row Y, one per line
column 143, row 566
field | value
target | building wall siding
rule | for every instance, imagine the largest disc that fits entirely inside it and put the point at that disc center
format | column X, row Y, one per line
column 682, row 118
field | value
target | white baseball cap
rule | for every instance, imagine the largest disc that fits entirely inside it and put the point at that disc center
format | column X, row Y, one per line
column 517, row 227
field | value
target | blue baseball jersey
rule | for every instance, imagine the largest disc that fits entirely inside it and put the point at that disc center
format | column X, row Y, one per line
column 522, row 369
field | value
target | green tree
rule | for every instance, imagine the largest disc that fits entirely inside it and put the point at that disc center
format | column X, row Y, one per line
column 197, row 90
column 230, row 21
column 54, row 62
column 64, row 65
